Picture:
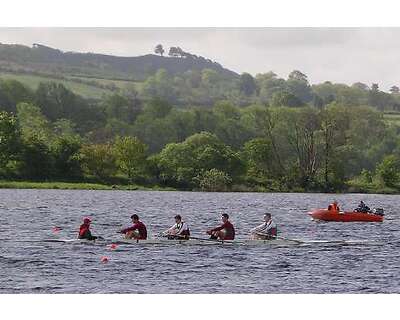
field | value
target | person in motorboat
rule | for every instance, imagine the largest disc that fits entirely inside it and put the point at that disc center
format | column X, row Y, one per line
column 362, row 207
column 265, row 231
column 225, row 231
column 334, row 206
column 179, row 230
column 84, row 230
column 137, row 231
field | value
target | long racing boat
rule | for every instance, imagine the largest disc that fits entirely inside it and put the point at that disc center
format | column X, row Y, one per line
column 211, row 242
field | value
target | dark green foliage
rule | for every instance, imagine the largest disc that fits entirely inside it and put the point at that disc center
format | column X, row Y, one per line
column 36, row 161
column 247, row 84
column 203, row 129
column 99, row 161
column 67, row 163
column 9, row 139
column 213, row 180
column 389, row 171
column 181, row 163
column 11, row 93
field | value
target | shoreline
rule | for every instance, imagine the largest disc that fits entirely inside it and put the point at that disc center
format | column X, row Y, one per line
column 59, row 185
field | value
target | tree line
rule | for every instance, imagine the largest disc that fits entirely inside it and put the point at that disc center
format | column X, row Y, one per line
column 53, row 134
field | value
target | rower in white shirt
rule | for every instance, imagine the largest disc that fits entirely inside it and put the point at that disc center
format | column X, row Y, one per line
column 179, row 230
column 265, row 231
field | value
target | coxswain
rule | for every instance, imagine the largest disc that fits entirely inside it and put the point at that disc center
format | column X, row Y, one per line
column 84, row 230
column 265, row 231
column 333, row 206
column 137, row 231
column 179, row 230
column 226, row 231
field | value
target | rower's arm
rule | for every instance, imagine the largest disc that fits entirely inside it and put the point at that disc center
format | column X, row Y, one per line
column 218, row 228
column 169, row 230
column 134, row 227
column 260, row 228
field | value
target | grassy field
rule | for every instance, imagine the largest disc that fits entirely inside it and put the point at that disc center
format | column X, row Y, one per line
column 121, row 84
column 33, row 81
column 392, row 118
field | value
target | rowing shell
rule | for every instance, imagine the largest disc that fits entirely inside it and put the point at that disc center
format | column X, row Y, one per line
column 210, row 242
column 275, row 242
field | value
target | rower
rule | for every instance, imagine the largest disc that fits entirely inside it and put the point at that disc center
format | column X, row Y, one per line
column 179, row 230
column 333, row 206
column 137, row 231
column 84, row 230
column 226, row 231
column 265, row 231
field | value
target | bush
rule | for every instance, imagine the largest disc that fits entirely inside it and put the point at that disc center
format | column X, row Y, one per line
column 389, row 171
column 213, row 180
column 99, row 160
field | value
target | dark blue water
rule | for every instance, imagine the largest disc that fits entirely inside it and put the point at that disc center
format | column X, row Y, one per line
column 41, row 267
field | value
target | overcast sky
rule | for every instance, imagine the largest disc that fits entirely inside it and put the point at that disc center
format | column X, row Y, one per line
column 344, row 55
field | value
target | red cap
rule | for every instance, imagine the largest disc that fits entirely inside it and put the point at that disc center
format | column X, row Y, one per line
column 87, row 220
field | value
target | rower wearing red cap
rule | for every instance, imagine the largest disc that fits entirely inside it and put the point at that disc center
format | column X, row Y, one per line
column 84, row 230
column 137, row 231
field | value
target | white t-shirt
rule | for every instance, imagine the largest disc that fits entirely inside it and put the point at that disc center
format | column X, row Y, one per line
column 264, row 227
column 177, row 228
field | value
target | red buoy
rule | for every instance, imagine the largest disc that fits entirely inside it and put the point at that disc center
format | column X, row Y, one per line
column 104, row 259
column 113, row 246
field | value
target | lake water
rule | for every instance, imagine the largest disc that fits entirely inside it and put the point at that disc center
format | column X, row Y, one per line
column 43, row 267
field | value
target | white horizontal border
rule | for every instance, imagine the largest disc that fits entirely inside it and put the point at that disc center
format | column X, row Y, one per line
column 204, row 13
column 192, row 307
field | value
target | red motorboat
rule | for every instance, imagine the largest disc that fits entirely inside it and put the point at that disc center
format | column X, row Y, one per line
column 340, row 216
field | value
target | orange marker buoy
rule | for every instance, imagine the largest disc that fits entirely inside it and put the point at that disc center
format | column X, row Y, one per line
column 113, row 246
column 104, row 259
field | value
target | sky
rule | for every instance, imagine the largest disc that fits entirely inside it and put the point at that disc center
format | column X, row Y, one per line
column 342, row 55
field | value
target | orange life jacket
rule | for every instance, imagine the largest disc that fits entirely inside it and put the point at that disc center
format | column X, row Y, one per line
column 333, row 207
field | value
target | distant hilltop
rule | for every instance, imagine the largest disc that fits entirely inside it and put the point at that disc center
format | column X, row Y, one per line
column 46, row 60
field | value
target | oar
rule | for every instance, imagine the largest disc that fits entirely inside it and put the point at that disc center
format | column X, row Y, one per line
column 287, row 239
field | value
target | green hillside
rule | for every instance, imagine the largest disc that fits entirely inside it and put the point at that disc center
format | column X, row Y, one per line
column 40, row 58
column 32, row 81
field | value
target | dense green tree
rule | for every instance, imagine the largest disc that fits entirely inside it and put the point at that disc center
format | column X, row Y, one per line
column 36, row 161
column 213, row 180
column 297, row 84
column 13, row 92
column 33, row 123
column 9, row 139
column 389, row 171
column 65, row 152
column 181, row 163
column 98, row 160
column 259, row 159
column 285, row 99
column 130, row 154
column 247, row 84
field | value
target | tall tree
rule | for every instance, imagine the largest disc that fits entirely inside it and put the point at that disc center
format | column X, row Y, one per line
column 9, row 138
column 297, row 75
column 394, row 90
column 130, row 153
column 159, row 50
column 247, row 84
